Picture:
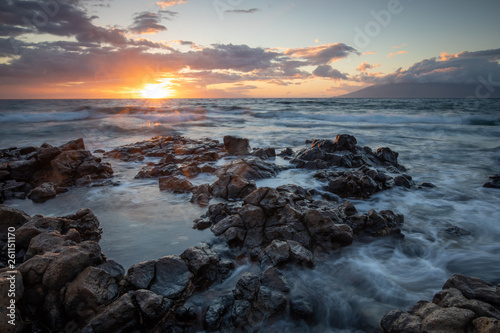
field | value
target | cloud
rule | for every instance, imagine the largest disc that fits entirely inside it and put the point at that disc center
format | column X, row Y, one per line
column 465, row 67
column 165, row 4
column 149, row 23
column 368, row 52
column 392, row 54
column 366, row 66
column 243, row 11
column 399, row 46
column 322, row 54
column 328, row 71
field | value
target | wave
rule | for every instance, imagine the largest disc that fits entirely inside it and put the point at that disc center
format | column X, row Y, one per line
column 39, row 117
column 373, row 118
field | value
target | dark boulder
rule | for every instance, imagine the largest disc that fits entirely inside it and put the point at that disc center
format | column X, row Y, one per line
column 236, row 146
column 175, row 184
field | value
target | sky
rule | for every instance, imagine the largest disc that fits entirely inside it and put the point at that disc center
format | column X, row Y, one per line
column 241, row 48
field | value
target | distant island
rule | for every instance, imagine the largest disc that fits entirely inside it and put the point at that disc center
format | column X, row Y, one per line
column 425, row 90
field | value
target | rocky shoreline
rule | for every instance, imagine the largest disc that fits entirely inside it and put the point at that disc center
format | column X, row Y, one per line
column 65, row 283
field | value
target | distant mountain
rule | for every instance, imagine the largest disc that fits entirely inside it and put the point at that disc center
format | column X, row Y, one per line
column 423, row 90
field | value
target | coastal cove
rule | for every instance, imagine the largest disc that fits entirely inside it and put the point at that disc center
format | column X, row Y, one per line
column 398, row 184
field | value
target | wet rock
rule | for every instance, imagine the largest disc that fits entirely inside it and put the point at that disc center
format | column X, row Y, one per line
column 11, row 217
column 47, row 242
column 203, row 263
column 474, row 288
column 273, row 278
column 42, row 193
column 152, row 306
column 232, row 186
column 92, row 288
column 464, row 304
column 399, row 321
column 494, row 182
column 172, row 277
column 202, row 195
column 448, row 320
column 251, row 168
column 175, row 184
column 264, row 153
column 287, row 152
column 236, row 146
column 140, row 275
column 247, row 287
column 70, row 262
column 301, row 305
column 119, row 316
column 42, row 173
column 486, row 325
column 113, row 268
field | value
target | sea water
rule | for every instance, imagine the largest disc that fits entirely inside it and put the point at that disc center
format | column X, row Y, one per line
column 451, row 143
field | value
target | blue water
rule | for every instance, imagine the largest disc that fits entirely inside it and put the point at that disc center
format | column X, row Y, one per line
column 454, row 144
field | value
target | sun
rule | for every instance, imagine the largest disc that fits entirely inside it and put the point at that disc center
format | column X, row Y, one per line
column 156, row 90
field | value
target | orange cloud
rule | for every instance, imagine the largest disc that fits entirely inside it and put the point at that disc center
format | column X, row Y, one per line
column 399, row 46
column 392, row 54
column 366, row 66
column 165, row 4
column 447, row 56
column 368, row 52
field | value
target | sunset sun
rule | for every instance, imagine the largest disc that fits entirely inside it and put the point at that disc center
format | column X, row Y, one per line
column 156, row 91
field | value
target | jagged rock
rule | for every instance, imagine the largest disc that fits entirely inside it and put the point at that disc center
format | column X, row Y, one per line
column 264, row 153
column 11, row 217
column 47, row 242
column 172, row 277
column 301, row 305
column 42, row 193
column 465, row 304
column 152, row 306
column 232, row 186
column 140, row 275
column 236, row 146
column 91, row 289
column 113, row 268
column 119, row 316
column 175, row 184
column 42, row 173
column 70, row 262
column 494, row 182
column 251, row 168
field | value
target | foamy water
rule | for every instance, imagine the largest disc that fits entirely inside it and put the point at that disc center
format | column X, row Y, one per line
column 454, row 144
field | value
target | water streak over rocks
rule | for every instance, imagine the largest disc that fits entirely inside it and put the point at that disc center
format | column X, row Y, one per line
column 465, row 304
column 42, row 173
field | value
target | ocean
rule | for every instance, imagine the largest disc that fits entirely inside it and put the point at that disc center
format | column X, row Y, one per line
column 451, row 143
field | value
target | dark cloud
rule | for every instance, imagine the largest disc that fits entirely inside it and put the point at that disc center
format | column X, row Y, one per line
column 464, row 67
column 323, row 54
column 328, row 71
column 243, row 11
column 148, row 23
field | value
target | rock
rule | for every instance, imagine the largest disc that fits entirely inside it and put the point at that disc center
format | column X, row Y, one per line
column 70, row 262
column 47, row 153
column 140, row 275
column 113, row 268
column 92, row 288
column 447, row 320
column 286, row 152
column 216, row 311
column 202, row 195
column 47, row 242
column 86, row 223
column 264, row 153
column 175, row 184
column 172, row 277
column 252, row 216
column 152, row 306
column 272, row 278
column 236, row 146
column 301, row 305
column 119, row 316
column 11, row 217
column 251, row 168
column 247, row 287
column 494, row 182
column 399, row 321
column 42, row 193
column 486, row 325
column 270, row 301
column 387, row 155
column 232, row 186
column 202, row 262
column 278, row 252
column 77, row 144
column 475, row 288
